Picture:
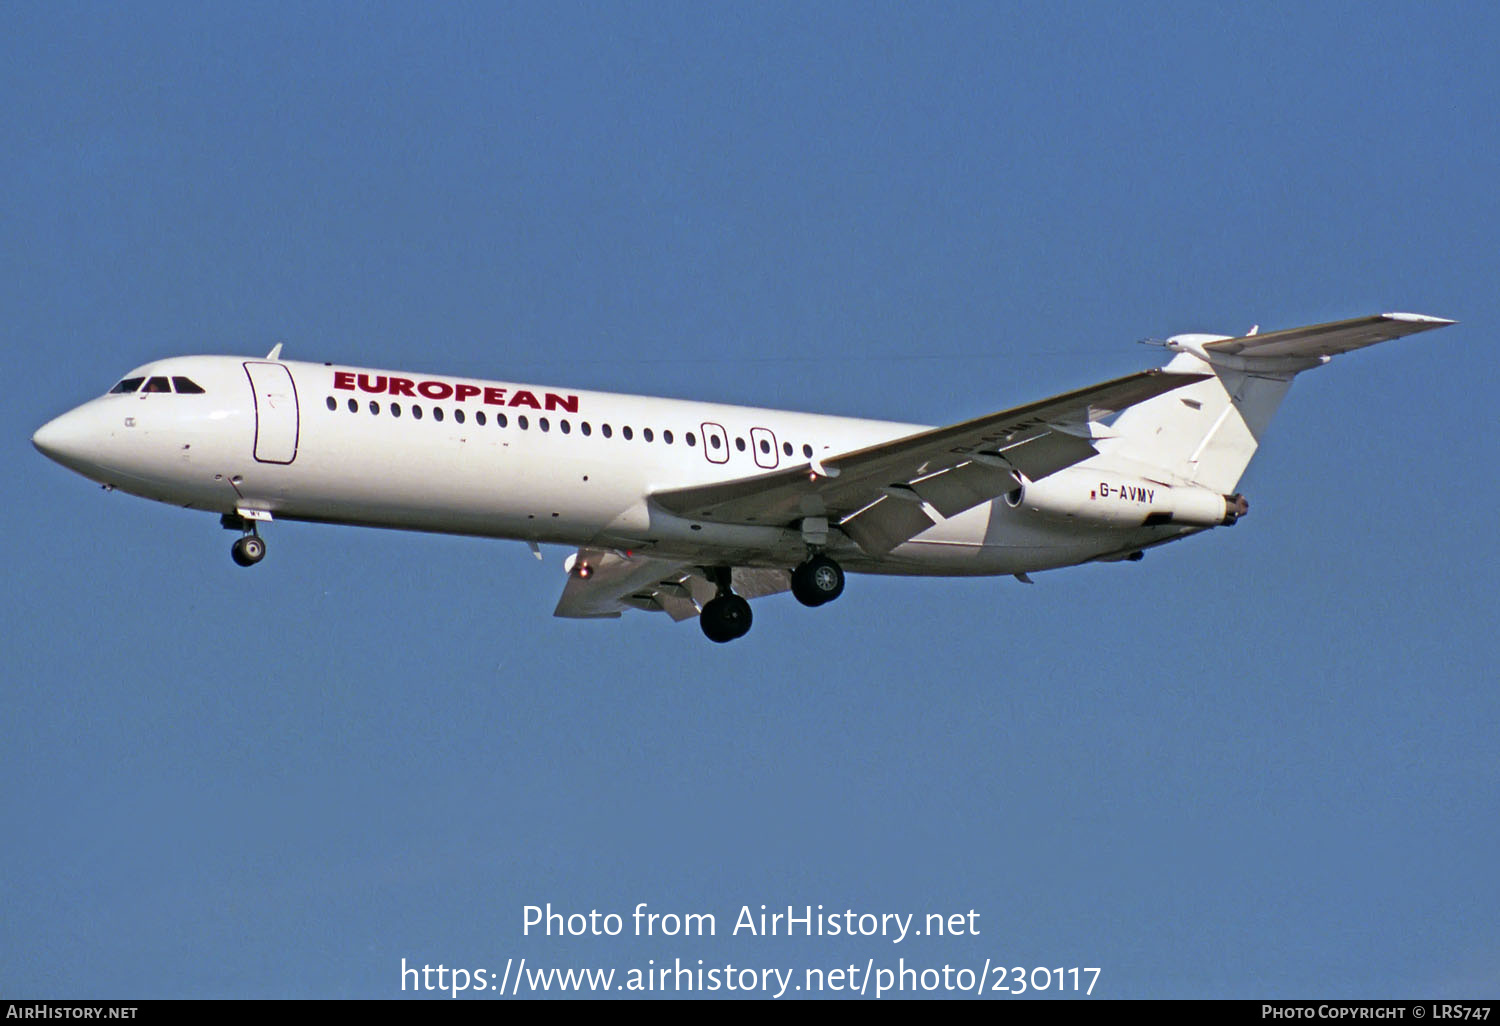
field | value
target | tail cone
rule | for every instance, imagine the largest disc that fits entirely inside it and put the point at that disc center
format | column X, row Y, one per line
column 1235, row 506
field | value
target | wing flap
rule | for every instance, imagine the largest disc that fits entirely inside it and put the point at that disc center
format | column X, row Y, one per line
column 1329, row 339
column 676, row 605
column 604, row 583
column 954, row 490
column 1044, row 454
column 886, row 523
column 756, row 582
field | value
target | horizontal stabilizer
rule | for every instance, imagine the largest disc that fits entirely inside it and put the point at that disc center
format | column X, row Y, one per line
column 1205, row 434
column 1328, row 339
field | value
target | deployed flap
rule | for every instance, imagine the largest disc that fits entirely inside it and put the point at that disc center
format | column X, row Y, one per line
column 952, row 468
column 886, row 523
column 604, row 583
column 757, row 582
column 1328, row 339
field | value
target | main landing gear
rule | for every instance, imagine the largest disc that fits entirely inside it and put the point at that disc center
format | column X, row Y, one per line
column 249, row 549
column 726, row 616
column 818, row 580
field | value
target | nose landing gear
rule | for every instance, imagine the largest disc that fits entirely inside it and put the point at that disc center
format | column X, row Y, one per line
column 249, row 549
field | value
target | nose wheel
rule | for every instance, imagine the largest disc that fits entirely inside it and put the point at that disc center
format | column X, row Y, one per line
column 248, row 551
column 817, row 581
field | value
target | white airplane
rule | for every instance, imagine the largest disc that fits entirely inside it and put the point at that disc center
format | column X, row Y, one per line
column 691, row 508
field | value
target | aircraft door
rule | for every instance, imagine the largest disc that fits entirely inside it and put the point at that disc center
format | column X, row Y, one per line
column 763, row 442
column 276, row 426
column 715, row 443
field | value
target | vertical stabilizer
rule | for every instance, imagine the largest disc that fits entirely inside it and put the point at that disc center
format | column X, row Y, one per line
column 1205, row 433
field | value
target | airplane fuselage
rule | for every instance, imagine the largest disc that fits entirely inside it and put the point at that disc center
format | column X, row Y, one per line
column 349, row 445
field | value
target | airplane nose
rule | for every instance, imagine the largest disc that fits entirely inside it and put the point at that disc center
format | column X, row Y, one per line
column 64, row 439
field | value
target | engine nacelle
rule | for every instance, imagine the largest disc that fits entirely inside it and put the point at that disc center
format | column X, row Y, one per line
column 1118, row 500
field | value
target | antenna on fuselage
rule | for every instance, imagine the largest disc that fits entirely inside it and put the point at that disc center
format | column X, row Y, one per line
column 275, row 353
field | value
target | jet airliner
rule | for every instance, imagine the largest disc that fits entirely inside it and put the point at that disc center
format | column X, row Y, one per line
column 691, row 508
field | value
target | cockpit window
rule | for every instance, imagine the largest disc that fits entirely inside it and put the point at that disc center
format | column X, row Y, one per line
column 181, row 385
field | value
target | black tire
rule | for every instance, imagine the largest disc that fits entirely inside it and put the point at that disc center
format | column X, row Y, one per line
column 818, row 581
column 725, row 618
column 248, row 551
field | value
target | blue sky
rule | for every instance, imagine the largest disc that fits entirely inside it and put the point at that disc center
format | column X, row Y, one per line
column 1258, row 763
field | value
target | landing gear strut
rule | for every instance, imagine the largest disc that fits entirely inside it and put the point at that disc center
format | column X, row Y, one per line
column 726, row 616
column 248, row 549
column 818, row 580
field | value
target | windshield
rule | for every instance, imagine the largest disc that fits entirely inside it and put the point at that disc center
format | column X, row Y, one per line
column 178, row 384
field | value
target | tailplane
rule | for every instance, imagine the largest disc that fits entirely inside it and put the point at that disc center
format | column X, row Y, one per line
column 1205, row 433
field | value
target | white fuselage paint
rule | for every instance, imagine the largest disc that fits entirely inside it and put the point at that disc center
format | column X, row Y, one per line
column 238, row 448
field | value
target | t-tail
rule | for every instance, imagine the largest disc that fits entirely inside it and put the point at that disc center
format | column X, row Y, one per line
column 1204, row 434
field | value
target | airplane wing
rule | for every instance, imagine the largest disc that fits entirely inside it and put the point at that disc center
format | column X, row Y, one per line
column 605, row 583
column 1329, row 339
column 879, row 495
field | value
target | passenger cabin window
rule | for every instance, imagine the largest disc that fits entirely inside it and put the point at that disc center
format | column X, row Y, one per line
column 186, row 386
column 157, row 385
column 126, row 386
